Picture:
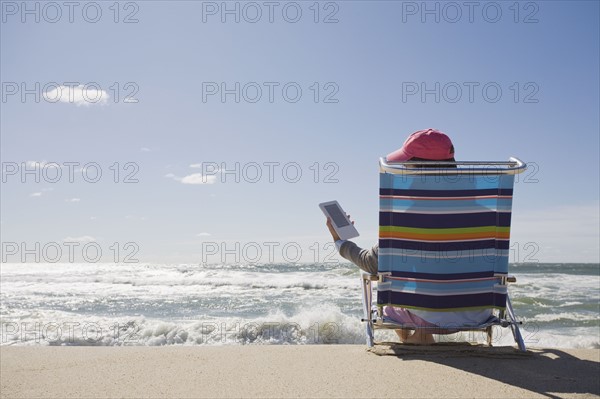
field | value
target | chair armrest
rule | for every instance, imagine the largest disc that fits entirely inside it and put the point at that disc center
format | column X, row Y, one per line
column 368, row 276
column 511, row 279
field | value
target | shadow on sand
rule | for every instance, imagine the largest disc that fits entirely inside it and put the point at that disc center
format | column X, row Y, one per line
column 549, row 372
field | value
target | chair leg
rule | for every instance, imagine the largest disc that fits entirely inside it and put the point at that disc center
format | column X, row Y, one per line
column 489, row 332
column 514, row 326
column 369, row 331
column 367, row 300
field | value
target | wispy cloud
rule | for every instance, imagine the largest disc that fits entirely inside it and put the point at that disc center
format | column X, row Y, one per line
column 73, row 200
column 145, row 149
column 194, row 178
column 51, row 171
column 79, row 95
column 43, row 190
column 134, row 217
column 32, row 165
column 208, row 167
column 203, row 234
column 198, row 178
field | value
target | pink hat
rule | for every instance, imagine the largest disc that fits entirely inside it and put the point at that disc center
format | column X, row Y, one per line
column 427, row 144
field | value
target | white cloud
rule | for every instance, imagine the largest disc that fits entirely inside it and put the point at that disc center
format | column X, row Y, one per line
column 90, row 94
column 208, row 167
column 194, row 178
column 198, row 178
column 79, row 239
column 34, row 164
column 38, row 194
column 203, row 234
column 135, row 217
column 49, row 171
column 145, row 149
column 73, row 199
column 43, row 165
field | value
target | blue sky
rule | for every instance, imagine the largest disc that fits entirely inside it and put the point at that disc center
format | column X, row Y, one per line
column 543, row 56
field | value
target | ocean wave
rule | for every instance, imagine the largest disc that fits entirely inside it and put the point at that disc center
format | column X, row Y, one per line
column 318, row 325
column 322, row 325
column 152, row 304
column 563, row 316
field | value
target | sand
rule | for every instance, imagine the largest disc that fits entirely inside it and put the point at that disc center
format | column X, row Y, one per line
column 295, row 371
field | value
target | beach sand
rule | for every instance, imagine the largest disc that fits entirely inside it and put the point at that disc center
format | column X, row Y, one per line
column 296, row 371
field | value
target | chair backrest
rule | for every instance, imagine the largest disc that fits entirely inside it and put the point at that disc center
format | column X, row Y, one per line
column 444, row 235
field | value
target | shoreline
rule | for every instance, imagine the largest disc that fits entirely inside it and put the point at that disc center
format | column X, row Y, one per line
column 296, row 371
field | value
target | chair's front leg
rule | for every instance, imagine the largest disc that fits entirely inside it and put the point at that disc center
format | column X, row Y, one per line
column 367, row 304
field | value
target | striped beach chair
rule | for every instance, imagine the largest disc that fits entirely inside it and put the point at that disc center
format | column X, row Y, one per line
column 444, row 234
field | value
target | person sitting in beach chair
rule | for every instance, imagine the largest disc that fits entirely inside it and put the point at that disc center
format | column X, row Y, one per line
column 423, row 145
column 419, row 291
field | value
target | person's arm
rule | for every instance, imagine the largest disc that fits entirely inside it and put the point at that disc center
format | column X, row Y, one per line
column 365, row 259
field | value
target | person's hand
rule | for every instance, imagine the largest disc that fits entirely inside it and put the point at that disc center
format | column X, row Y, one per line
column 334, row 233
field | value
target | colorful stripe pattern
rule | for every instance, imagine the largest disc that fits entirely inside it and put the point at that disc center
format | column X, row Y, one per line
column 444, row 240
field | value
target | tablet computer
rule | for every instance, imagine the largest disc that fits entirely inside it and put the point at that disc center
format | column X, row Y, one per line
column 342, row 225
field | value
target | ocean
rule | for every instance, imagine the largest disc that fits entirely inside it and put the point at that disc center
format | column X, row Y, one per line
column 192, row 304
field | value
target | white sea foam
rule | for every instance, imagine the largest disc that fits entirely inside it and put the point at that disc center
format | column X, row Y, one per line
column 151, row 304
column 319, row 325
column 325, row 325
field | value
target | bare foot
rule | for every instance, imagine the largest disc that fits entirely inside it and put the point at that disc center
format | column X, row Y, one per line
column 403, row 334
column 420, row 338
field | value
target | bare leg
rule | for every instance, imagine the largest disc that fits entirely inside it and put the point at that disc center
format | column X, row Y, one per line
column 420, row 338
column 403, row 334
